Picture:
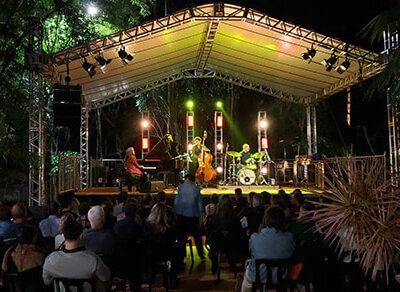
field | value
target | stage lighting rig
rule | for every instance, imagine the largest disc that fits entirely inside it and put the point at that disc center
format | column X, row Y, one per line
column 145, row 123
column 309, row 55
column 218, row 104
column 125, row 57
column 329, row 63
column 343, row 67
column 90, row 68
column 92, row 10
column 103, row 63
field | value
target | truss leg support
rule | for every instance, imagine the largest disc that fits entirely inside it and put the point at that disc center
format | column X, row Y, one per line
column 311, row 129
column 84, row 148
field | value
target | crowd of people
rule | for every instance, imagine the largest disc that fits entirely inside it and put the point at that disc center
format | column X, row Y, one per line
column 126, row 237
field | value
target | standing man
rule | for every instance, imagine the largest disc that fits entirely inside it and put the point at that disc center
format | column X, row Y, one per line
column 245, row 154
column 188, row 207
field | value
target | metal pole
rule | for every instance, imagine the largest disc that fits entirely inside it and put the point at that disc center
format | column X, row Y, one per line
column 84, row 149
column 308, row 112
column 314, row 115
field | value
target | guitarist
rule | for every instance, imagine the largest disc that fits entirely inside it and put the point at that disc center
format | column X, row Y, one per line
column 194, row 155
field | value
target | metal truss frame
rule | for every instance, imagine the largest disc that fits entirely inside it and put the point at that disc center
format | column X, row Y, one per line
column 311, row 129
column 189, row 130
column 37, row 144
column 84, row 149
column 145, row 132
column 218, row 139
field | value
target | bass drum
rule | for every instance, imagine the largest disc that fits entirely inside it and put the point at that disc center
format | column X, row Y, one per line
column 246, row 176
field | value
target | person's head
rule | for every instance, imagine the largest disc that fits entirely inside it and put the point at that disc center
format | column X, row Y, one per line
column 238, row 193
column 148, row 200
column 190, row 177
column 214, row 199
column 96, row 217
column 197, row 141
column 83, row 209
column 65, row 202
column 19, row 212
column 65, row 217
column 26, row 234
column 274, row 217
column 54, row 208
column 281, row 192
column 130, row 209
column 242, row 203
column 130, row 151
column 258, row 201
column 279, row 201
column 108, row 208
column 246, row 147
column 158, row 217
column 267, row 197
column 251, row 196
column 297, row 199
column 161, row 197
column 72, row 230
column 122, row 197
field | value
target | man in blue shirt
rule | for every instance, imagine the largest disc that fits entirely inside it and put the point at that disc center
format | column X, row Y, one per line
column 273, row 242
column 188, row 207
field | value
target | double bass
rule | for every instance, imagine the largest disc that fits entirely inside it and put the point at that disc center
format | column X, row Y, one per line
column 205, row 173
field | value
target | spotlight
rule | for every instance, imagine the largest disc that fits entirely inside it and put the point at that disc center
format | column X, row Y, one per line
column 190, row 104
column 343, row 67
column 125, row 57
column 92, row 10
column 90, row 68
column 264, row 170
column 328, row 63
column 220, row 169
column 218, row 104
column 219, row 146
column 189, row 146
column 103, row 63
column 263, row 124
column 145, row 124
column 309, row 55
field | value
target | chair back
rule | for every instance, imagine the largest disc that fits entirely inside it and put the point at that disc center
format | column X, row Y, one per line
column 270, row 264
column 78, row 284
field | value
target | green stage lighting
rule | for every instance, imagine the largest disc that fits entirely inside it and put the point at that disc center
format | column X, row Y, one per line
column 189, row 104
column 218, row 104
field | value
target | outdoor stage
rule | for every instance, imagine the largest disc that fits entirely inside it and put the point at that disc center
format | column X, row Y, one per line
column 220, row 190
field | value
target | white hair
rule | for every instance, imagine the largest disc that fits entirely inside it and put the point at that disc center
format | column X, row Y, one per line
column 96, row 216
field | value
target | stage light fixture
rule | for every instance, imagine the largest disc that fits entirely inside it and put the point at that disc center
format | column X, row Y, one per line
column 343, row 67
column 220, row 169
column 220, row 146
column 220, row 121
column 90, row 68
column 190, row 121
column 264, row 143
column 189, row 147
column 309, row 55
column 92, row 10
column 264, row 170
column 263, row 124
column 190, row 104
column 218, row 104
column 145, row 124
column 103, row 63
column 328, row 63
column 145, row 143
column 125, row 57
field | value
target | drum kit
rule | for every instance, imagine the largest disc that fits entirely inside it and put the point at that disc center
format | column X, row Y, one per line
column 247, row 174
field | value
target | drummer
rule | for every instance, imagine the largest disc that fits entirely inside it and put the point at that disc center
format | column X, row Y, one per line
column 245, row 154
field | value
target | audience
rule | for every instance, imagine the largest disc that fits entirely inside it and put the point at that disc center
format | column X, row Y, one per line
column 278, row 200
column 25, row 260
column 297, row 202
column 146, row 204
column 211, row 208
column 118, row 211
column 256, row 214
column 6, row 226
column 74, row 262
column 162, row 198
column 59, row 239
column 65, row 201
column 83, row 210
column 188, row 207
column 109, row 218
column 273, row 242
column 50, row 226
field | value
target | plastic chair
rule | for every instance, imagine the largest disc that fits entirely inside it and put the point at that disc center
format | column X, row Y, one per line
column 271, row 264
column 70, row 283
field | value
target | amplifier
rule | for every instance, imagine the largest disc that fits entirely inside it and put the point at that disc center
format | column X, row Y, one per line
column 154, row 186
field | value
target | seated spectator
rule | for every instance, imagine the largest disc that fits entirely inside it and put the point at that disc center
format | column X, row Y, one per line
column 145, row 208
column 98, row 239
column 109, row 217
column 7, row 228
column 267, row 197
column 59, row 240
column 24, row 260
column 118, row 211
column 242, row 207
column 162, row 198
column 224, row 233
column 256, row 214
column 83, row 210
column 211, row 208
column 297, row 202
column 251, row 197
column 66, row 205
column 286, row 197
column 129, row 228
column 273, row 242
column 50, row 226
column 74, row 262
column 279, row 201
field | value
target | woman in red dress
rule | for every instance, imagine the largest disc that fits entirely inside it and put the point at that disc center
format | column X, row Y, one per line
column 133, row 173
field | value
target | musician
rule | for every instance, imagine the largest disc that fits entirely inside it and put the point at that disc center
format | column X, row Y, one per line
column 194, row 155
column 245, row 154
column 134, row 176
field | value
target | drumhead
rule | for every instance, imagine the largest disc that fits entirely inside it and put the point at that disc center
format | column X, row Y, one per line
column 246, row 176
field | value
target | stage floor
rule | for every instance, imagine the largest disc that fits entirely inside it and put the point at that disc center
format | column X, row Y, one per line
column 220, row 190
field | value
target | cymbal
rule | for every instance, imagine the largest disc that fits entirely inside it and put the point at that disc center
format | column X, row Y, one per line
column 256, row 155
column 234, row 154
